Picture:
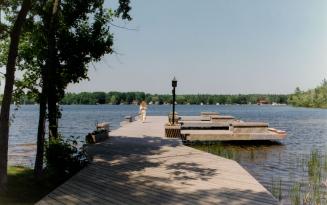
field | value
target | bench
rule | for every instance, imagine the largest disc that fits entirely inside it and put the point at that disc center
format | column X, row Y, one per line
column 103, row 126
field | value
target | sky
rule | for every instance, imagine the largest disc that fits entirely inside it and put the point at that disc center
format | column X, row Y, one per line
column 215, row 47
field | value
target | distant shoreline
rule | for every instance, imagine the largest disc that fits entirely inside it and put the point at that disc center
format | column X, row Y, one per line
column 126, row 98
column 137, row 97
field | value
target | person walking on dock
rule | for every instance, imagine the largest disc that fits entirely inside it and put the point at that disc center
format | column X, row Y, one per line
column 143, row 108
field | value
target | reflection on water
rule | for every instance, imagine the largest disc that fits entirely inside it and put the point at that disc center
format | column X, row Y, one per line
column 306, row 128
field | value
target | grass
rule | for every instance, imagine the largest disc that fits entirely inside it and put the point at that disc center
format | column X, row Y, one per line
column 23, row 188
column 316, row 193
column 217, row 148
column 313, row 191
column 276, row 188
column 295, row 194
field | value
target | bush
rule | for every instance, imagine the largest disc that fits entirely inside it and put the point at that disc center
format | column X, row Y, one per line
column 65, row 157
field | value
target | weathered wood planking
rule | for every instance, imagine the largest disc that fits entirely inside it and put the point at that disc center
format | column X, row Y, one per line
column 137, row 165
column 226, row 135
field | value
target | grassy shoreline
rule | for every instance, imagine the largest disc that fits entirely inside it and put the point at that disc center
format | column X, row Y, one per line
column 23, row 188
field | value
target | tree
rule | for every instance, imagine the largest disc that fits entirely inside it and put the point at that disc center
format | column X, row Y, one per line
column 67, row 35
column 100, row 97
column 80, row 40
column 51, row 23
column 3, row 27
column 311, row 98
column 297, row 90
column 38, row 166
column 8, row 90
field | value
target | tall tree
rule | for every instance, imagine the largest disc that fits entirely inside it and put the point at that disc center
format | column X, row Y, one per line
column 65, row 37
column 311, row 98
column 52, row 66
column 43, row 96
column 38, row 165
column 81, row 35
column 8, row 90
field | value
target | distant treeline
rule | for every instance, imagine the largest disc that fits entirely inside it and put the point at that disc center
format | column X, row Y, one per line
column 311, row 98
column 136, row 97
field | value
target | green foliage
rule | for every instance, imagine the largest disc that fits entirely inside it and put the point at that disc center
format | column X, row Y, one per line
column 136, row 97
column 295, row 194
column 312, row 98
column 315, row 194
column 65, row 157
column 314, row 166
column 217, row 148
column 83, row 35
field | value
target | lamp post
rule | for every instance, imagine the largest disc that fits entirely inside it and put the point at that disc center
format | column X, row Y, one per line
column 174, row 84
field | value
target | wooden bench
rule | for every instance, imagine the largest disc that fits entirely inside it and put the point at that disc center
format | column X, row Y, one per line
column 176, row 118
column 103, row 126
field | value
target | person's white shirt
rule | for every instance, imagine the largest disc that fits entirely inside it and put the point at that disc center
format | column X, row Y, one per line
column 143, row 108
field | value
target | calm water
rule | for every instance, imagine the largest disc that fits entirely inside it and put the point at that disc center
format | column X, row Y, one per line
column 306, row 128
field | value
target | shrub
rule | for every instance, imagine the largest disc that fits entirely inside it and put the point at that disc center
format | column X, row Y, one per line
column 65, row 157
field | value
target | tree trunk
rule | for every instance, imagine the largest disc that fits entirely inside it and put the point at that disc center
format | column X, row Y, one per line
column 52, row 65
column 38, row 167
column 7, row 95
column 52, row 108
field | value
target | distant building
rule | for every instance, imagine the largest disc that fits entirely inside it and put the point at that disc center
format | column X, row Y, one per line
column 262, row 102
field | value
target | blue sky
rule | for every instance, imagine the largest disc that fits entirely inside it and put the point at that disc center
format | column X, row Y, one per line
column 216, row 47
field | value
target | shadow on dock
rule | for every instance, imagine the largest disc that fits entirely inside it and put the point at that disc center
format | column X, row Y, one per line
column 118, row 172
column 133, row 167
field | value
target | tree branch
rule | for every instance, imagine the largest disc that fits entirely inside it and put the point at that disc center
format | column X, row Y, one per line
column 122, row 27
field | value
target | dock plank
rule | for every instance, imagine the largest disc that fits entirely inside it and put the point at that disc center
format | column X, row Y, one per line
column 138, row 165
column 226, row 135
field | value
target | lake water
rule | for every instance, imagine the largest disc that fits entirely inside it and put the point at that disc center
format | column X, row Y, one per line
column 306, row 128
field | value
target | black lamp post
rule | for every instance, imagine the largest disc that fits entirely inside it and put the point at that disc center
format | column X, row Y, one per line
column 174, row 84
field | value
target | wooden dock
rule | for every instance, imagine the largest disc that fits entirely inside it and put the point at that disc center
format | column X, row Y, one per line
column 225, row 128
column 226, row 135
column 137, row 165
